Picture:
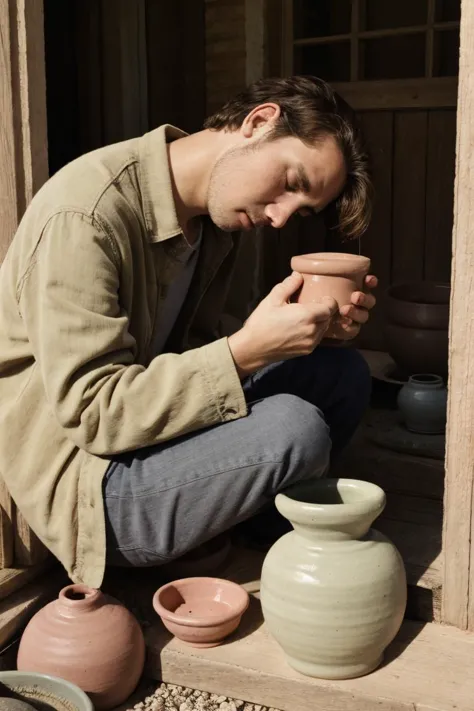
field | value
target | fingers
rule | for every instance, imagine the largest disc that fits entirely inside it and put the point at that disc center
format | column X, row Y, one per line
column 371, row 281
column 282, row 292
column 351, row 329
column 366, row 301
column 353, row 313
column 324, row 310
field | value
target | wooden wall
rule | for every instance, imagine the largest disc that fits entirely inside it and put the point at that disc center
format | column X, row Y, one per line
column 117, row 68
column 410, row 235
column 225, row 51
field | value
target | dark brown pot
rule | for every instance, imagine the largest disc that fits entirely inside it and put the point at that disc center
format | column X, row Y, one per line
column 418, row 350
column 423, row 304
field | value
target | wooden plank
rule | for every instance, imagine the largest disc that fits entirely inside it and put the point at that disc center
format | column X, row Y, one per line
column 254, row 39
column 427, row 665
column 377, row 241
column 23, row 134
column 417, row 510
column 23, row 149
column 134, row 88
column 273, row 37
column 12, row 579
column 225, row 55
column 374, row 34
column 419, row 546
column 8, row 175
column 287, row 44
column 400, row 93
column 409, row 191
column 7, row 527
column 112, row 71
column 88, row 26
column 440, row 194
column 28, row 548
column 20, row 606
column 430, row 38
column 176, row 47
column 395, row 472
column 458, row 542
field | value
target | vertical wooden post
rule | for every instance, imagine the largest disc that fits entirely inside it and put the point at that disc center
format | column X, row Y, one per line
column 458, row 539
column 287, row 60
column 23, row 130
column 24, row 168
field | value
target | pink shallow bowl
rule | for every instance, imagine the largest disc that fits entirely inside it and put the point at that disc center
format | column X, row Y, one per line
column 201, row 611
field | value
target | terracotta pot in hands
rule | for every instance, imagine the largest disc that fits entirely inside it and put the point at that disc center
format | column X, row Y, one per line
column 333, row 274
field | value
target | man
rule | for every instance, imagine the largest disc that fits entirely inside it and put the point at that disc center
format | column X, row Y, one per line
column 132, row 430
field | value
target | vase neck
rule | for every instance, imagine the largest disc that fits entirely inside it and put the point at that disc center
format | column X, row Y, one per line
column 334, row 532
column 332, row 509
column 77, row 599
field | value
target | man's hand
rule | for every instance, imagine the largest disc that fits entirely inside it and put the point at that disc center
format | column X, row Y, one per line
column 279, row 330
column 357, row 313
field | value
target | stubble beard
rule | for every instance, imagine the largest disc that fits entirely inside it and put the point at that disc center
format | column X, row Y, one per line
column 220, row 179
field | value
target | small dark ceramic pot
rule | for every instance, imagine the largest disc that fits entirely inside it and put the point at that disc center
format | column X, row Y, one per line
column 416, row 327
column 422, row 403
column 417, row 350
column 423, row 304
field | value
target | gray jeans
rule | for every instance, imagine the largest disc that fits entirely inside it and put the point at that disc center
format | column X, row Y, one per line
column 163, row 501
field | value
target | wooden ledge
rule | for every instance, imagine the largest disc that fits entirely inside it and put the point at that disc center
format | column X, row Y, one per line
column 427, row 668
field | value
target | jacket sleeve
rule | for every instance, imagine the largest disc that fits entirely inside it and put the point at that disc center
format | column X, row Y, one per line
column 79, row 332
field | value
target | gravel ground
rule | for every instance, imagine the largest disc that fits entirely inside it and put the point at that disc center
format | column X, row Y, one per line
column 168, row 696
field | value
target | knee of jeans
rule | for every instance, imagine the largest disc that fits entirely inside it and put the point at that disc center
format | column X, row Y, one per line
column 355, row 372
column 303, row 434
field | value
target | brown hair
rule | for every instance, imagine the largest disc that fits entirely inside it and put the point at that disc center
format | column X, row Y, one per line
column 311, row 110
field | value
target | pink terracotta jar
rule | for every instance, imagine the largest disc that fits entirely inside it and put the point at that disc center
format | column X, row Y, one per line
column 333, row 274
column 89, row 639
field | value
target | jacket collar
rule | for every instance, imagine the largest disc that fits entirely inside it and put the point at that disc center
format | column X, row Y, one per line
column 155, row 182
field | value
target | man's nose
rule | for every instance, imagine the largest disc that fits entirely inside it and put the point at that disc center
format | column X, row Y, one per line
column 278, row 214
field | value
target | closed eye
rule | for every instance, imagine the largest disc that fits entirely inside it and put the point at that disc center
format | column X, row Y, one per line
column 308, row 212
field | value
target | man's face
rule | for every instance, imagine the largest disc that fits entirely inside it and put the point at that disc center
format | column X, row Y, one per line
column 265, row 182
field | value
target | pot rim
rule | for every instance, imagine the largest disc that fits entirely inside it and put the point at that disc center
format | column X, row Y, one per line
column 339, row 264
column 184, row 621
column 77, row 696
column 304, row 511
column 393, row 288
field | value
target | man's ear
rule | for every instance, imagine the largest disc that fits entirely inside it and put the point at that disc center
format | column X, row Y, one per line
column 260, row 120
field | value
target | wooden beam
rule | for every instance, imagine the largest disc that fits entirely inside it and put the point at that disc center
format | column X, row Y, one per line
column 458, row 542
column 23, row 131
column 287, row 38
column 8, row 173
column 23, row 155
column 394, row 94
column 375, row 34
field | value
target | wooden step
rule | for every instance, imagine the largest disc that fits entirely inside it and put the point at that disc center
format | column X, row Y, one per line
column 395, row 472
column 427, row 668
column 420, row 547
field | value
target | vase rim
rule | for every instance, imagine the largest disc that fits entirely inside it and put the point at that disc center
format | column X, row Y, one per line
column 79, row 596
column 425, row 379
column 335, row 264
column 371, row 501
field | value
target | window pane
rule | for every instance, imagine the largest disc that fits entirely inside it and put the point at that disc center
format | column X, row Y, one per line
column 328, row 61
column 446, row 53
column 320, row 18
column 399, row 13
column 447, row 10
column 401, row 57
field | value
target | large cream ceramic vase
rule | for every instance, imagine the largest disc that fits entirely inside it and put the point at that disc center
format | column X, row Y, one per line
column 333, row 591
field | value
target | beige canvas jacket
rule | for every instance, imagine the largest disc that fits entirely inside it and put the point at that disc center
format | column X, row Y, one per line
column 80, row 295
